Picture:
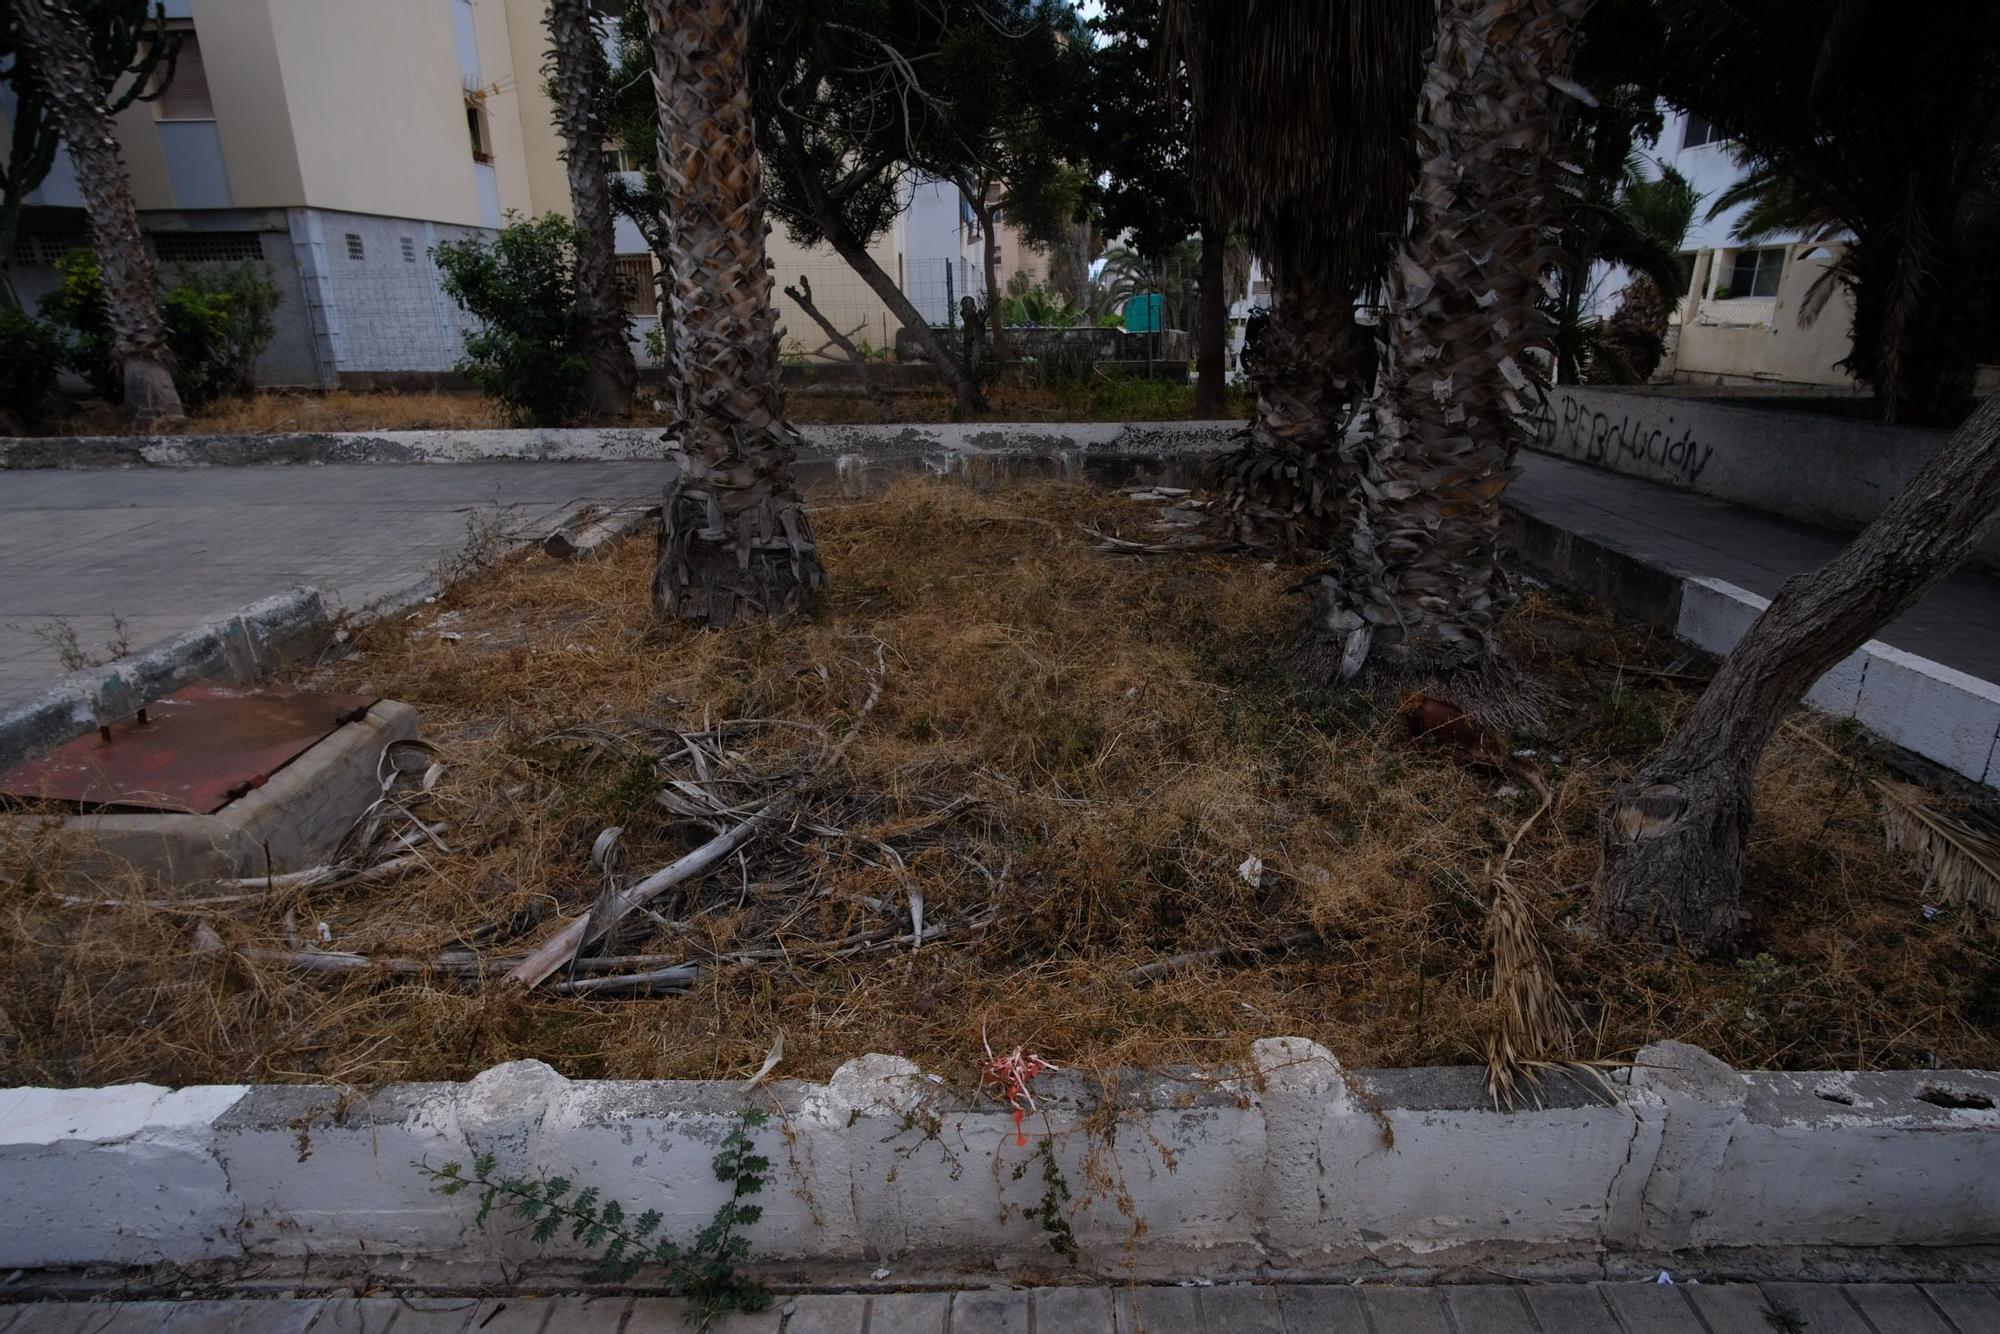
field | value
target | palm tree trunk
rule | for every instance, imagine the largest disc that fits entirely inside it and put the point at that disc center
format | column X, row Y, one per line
column 1419, row 584
column 734, row 536
column 576, row 68
column 61, row 48
column 1289, row 487
column 1214, row 327
column 1674, row 835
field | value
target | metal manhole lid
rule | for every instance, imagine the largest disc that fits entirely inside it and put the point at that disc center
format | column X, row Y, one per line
column 199, row 749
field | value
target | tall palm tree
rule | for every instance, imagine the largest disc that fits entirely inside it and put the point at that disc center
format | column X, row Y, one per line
column 577, row 71
column 1418, row 585
column 60, row 44
column 734, row 536
column 1302, row 121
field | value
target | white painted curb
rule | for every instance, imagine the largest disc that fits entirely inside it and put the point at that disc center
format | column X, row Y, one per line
column 1936, row 711
column 1294, row 1162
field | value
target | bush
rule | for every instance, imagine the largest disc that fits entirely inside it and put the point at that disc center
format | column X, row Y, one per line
column 218, row 322
column 521, row 287
column 31, row 352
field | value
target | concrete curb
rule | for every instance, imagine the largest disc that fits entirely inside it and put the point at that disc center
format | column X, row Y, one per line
column 1294, row 1164
column 242, row 647
column 601, row 444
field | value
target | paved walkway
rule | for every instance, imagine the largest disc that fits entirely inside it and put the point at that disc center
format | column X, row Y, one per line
column 163, row 550
column 1612, row 1308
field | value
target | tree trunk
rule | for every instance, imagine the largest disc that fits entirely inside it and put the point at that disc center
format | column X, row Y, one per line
column 61, row 46
column 576, row 75
column 989, row 267
column 1419, row 586
column 734, row 536
column 850, row 248
column 1674, row 835
column 1214, row 328
column 802, row 296
column 1289, row 488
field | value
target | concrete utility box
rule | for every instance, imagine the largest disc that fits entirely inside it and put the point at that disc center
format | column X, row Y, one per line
column 216, row 781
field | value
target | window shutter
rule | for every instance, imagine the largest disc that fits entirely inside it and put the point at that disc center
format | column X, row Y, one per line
column 186, row 97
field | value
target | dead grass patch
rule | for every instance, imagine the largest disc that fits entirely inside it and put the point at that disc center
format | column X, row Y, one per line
column 1119, row 733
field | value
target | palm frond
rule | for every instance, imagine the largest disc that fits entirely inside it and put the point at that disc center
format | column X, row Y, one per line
column 1959, row 857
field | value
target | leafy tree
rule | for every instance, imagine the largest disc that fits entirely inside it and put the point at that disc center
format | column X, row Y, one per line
column 1142, row 143
column 530, row 350
column 133, row 53
column 576, row 72
column 61, row 48
column 31, row 353
column 1880, row 121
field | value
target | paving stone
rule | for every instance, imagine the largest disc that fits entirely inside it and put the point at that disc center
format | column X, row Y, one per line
column 90, row 1317
column 1157, row 1311
column 1072, row 1311
column 650, row 1315
column 826, row 1313
column 908, row 1313
column 1564, row 1308
column 510, row 1315
column 767, row 1321
column 1896, row 1308
column 220, row 1317
column 1971, row 1308
column 1321, row 1309
column 1651, row 1308
column 1245, row 1307
column 433, row 1315
column 1825, row 1310
column 1489, row 1310
column 1731, row 1306
column 989, row 1311
column 351, row 1315
column 1406, row 1311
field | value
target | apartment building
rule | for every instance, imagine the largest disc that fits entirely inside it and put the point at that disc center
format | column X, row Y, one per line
column 337, row 141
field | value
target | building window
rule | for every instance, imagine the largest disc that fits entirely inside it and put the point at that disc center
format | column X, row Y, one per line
column 475, row 129
column 1700, row 132
column 50, row 249
column 409, row 251
column 354, row 248
column 642, row 293
column 186, row 98
column 207, row 247
column 1756, row 272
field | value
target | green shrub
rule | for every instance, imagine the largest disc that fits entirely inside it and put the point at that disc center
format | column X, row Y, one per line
column 31, row 352
column 218, row 322
column 521, row 287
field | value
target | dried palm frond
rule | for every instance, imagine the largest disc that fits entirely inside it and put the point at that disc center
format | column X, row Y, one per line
column 1957, row 855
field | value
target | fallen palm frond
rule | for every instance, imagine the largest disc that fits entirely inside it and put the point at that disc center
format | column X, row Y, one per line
column 1959, row 856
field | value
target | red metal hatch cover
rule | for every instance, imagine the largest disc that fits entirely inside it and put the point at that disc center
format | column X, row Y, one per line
column 196, row 750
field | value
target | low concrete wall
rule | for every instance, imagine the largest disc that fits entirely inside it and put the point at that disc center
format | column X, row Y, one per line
column 1294, row 1163
column 1813, row 467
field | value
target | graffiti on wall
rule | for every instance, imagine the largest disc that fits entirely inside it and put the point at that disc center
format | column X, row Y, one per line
column 1623, row 443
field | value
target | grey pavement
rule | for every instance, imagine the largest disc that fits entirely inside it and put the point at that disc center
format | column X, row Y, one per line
column 163, row 550
column 1957, row 625
column 1614, row 1308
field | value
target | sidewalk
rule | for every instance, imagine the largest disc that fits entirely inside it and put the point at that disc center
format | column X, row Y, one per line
column 163, row 549
column 1612, row 1308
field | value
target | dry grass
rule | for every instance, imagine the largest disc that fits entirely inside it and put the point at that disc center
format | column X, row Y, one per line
column 1115, row 399
column 1125, row 736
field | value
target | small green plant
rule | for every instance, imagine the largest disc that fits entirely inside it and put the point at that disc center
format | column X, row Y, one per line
column 1783, row 1318
column 528, row 349
column 217, row 325
column 31, row 352
column 705, row 1271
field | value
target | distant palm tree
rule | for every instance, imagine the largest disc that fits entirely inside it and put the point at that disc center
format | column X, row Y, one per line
column 1418, row 586
column 576, row 71
column 60, row 45
column 1302, row 115
column 735, row 539
column 1638, row 223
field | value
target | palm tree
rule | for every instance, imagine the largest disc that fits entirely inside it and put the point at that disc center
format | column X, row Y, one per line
column 1636, row 222
column 51, row 32
column 734, row 536
column 1302, row 118
column 1418, row 584
column 576, row 71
